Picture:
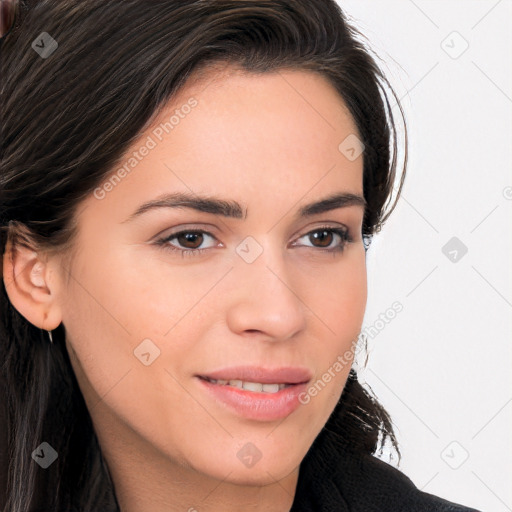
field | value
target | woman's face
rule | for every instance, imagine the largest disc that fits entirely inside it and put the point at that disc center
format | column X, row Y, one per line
column 262, row 293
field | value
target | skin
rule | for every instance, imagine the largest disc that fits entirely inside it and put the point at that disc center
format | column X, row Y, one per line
column 269, row 142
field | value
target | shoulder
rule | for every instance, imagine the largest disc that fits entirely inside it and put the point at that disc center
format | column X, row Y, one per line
column 382, row 487
column 334, row 477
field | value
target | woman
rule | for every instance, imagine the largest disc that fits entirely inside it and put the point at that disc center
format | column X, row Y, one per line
column 188, row 189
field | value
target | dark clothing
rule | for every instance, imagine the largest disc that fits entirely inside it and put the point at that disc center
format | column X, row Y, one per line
column 358, row 482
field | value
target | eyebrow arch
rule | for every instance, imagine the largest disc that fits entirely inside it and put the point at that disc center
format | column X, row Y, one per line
column 233, row 209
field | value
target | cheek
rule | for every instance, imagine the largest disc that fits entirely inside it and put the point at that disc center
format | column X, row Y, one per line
column 337, row 296
column 104, row 319
column 154, row 292
column 123, row 307
column 338, row 301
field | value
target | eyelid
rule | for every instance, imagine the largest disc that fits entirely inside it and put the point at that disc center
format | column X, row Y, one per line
column 176, row 230
column 321, row 225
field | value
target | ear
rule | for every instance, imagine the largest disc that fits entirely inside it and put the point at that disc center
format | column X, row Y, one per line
column 31, row 285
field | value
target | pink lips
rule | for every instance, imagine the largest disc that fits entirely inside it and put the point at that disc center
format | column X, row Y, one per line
column 288, row 375
column 252, row 404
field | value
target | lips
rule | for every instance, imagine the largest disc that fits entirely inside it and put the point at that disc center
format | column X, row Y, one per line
column 255, row 393
column 258, row 375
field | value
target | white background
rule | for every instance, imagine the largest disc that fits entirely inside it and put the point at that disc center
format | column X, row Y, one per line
column 442, row 366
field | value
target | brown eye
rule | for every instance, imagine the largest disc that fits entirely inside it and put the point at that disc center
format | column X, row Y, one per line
column 324, row 236
column 187, row 243
column 327, row 239
column 189, row 237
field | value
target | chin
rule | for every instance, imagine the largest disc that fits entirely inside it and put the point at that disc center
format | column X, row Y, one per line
column 257, row 476
column 248, row 467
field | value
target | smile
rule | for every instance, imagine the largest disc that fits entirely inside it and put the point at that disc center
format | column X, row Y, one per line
column 256, row 387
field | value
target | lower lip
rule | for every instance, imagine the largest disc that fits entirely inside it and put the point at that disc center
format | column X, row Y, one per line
column 257, row 406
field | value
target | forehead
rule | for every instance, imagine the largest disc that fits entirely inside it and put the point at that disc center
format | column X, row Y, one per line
column 244, row 122
column 270, row 138
column 231, row 99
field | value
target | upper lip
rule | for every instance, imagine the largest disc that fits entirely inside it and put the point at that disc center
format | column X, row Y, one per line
column 285, row 375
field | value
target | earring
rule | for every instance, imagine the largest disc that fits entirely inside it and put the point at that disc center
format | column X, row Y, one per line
column 50, row 336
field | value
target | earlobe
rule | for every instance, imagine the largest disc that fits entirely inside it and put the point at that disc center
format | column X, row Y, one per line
column 27, row 282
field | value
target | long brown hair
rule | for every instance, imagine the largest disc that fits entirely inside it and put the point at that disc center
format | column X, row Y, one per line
column 69, row 117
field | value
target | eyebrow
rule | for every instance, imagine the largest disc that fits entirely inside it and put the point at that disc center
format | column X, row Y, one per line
column 233, row 209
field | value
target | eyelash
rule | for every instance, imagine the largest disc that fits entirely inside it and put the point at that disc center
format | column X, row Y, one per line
column 344, row 234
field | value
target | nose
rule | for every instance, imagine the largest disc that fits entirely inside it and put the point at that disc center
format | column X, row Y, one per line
column 265, row 303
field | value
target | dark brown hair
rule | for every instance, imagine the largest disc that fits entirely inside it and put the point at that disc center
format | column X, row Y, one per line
column 68, row 119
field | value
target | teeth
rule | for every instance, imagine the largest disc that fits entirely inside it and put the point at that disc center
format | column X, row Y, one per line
column 253, row 386
column 256, row 387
